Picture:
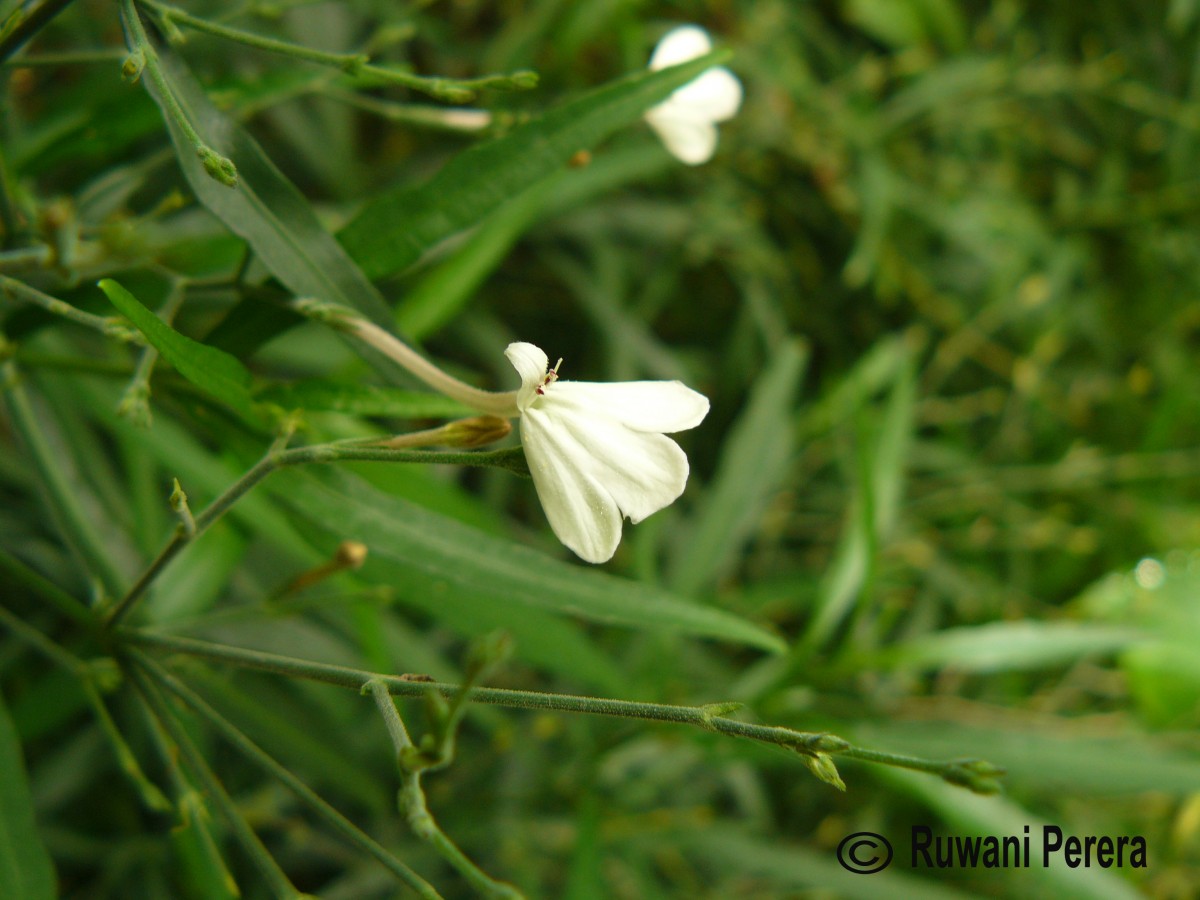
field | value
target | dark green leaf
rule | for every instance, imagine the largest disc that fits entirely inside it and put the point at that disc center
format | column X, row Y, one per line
column 392, row 232
column 264, row 208
column 511, row 577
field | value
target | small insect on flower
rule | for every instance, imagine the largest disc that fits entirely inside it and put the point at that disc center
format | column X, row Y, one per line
column 686, row 122
column 598, row 452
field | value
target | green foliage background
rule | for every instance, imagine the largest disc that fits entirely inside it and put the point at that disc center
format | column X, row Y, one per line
column 940, row 283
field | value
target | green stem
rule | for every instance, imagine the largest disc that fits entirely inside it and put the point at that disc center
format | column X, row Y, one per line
column 152, row 797
column 275, row 878
column 355, row 64
column 37, row 256
column 30, row 25
column 149, row 792
column 411, row 800
column 496, row 403
column 17, row 290
column 189, row 803
column 215, row 165
column 60, row 496
column 69, row 58
column 267, row 763
column 135, row 401
column 469, row 121
column 699, row 716
column 348, row 451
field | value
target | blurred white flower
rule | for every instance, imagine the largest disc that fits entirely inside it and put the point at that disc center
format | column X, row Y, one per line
column 598, row 452
column 686, row 121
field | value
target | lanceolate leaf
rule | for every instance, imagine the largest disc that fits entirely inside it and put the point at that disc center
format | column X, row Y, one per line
column 392, row 233
column 25, row 867
column 454, row 557
column 214, row 371
column 265, row 209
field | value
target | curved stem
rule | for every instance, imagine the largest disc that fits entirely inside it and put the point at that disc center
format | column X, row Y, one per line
column 494, row 402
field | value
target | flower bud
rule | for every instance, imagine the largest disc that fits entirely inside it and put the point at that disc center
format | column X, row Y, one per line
column 476, row 431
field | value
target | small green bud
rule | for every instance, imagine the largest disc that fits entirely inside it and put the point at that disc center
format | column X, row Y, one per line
column 830, row 743
column 977, row 775
column 131, row 68
column 218, row 167
column 135, row 405
column 524, row 80
column 450, row 93
column 821, row 765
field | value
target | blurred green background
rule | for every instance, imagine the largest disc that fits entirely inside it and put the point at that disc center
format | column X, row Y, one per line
column 940, row 283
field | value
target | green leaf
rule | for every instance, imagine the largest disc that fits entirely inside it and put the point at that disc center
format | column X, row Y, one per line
column 25, row 867
column 214, row 371
column 1009, row 646
column 439, row 296
column 511, row 577
column 363, row 400
column 754, row 461
column 395, row 230
column 872, row 514
column 265, row 209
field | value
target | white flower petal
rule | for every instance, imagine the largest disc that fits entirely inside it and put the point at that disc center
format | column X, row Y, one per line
column 689, row 141
column 582, row 513
column 643, row 472
column 651, row 406
column 531, row 363
column 679, row 45
column 598, row 452
column 714, row 96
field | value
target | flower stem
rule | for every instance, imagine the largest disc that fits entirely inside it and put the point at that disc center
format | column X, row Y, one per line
column 355, row 64
column 271, row 766
column 469, row 121
column 217, row 166
column 496, row 403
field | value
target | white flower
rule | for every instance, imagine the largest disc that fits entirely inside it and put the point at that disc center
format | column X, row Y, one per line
column 598, row 452
column 686, row 121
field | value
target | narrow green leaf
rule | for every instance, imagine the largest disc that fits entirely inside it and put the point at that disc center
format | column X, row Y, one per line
column 438, row 297
column 872, row 514
column 1009, row 646
column 25, row 867
column 265, row 209
column 754, row 462
column 508, row 575
column 392, row 232
column 214, row 371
